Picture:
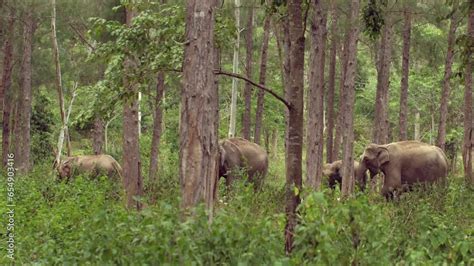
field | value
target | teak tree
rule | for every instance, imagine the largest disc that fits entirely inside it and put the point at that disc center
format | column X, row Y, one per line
column 468, row 141
column 246, row 117
column 403, row 123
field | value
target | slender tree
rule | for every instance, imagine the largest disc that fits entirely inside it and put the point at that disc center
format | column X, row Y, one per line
column 315, row 126
column 331, row 85
column 157, row 126
column 235, row 69
column 98, row 135
column 262, row 78
column 294, row 132
column 5, row 85
column 468, row 141
column 403, row 123
column 246, row 120
column 199, row 103
column 443, row 110
column 22, row 132
column 132, row 178
column 347, row 169
column 383, row 83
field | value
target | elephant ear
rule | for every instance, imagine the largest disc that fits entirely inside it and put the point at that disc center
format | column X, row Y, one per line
column 222, row 155
column 383, row 156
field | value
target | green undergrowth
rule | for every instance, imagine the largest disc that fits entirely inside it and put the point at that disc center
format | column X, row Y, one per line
column 84, row 222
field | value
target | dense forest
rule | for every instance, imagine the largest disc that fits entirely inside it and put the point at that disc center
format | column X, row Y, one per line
column 239, row 132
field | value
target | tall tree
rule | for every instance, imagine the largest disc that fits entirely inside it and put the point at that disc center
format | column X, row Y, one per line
column 235, row 69
column 98, row 135
column 262, row 78
column 315, row 126
column 199, row 103
column 248, row 71
column 22, row 134
column 132, row 178
column 383, row 83
column 294, row 131
column 443, row 109
column 468, row 141
column 157, row 126
column 5, row 85
column 347, row 169
column 403, row 123
column 331, row 84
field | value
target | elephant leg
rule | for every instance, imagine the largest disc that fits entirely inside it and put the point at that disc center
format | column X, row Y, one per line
column 392, row 182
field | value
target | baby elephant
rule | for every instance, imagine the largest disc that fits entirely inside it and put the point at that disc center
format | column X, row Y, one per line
column 240, row 154
column 94, row 165
column 333, row 172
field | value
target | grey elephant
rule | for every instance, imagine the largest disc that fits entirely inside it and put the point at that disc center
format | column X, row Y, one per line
column 237, row 155
column 333, row 172
column 93, row 165
column 405, row 163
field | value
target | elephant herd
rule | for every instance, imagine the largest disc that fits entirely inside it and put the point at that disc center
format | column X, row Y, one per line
column 403, row 164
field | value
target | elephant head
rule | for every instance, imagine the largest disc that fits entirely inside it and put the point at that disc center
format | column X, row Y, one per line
column 333, row 172
column 374, row 157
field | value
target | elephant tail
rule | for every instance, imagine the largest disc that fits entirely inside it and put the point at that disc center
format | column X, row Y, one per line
column 118, row 169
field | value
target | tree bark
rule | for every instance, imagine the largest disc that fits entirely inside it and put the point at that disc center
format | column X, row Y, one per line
column 383, row 82
column 5, row 85
column 98, row 136
column 468, row 140
column 246, row 118
column 349, row 91
column 132, row 178
column 417, row 126
column 294, row 135
column 262, row 79
column 443, row 110
column 403, row 123
column 22, row 134
column 315, row 126
column 235, row 69
column 199, row 103
column 331, row 86
column 157, row 126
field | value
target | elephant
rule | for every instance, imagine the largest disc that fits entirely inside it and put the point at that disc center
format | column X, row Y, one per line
column 405, row 163
column 90, row 164
column 332, row 172
column 238, row 154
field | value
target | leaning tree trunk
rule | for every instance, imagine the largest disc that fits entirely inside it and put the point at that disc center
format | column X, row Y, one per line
column 468, row 119
column 132, row 178
column 294, row 136
column 403, row 123
column 331, row 86
column 98, row 136
column 157, row 126
column 443, row 110
column 199, row 103
column 383, row 79
column 5, row 85
column 246, row 120
column 315, row 126
column 22, row 134
column 262, row 78
column 235, row 69
column 347, row 169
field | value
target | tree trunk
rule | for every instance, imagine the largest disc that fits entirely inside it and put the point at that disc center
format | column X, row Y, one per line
column 199, row 103
column 5, row 85
column 331, row 86
column 262, row 79
column 58, row 80
column 157, row 126
column 248, row 69
column 383, row 82
column 468, row 124
column 274, row 149
column 417, row 125
column 315, row 126
column 235, row 69
column 22, row 135
column 98, row 136
column 403, row 125
column 341, row 112
column 132, row 178
column 443, row 110
column 349, row 91
column 294, row 140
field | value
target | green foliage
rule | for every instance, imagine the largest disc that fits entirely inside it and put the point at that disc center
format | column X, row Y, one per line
column 373, row 17
column 41, row 127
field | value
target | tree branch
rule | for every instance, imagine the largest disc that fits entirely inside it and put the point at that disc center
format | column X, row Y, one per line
column 262, row 87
